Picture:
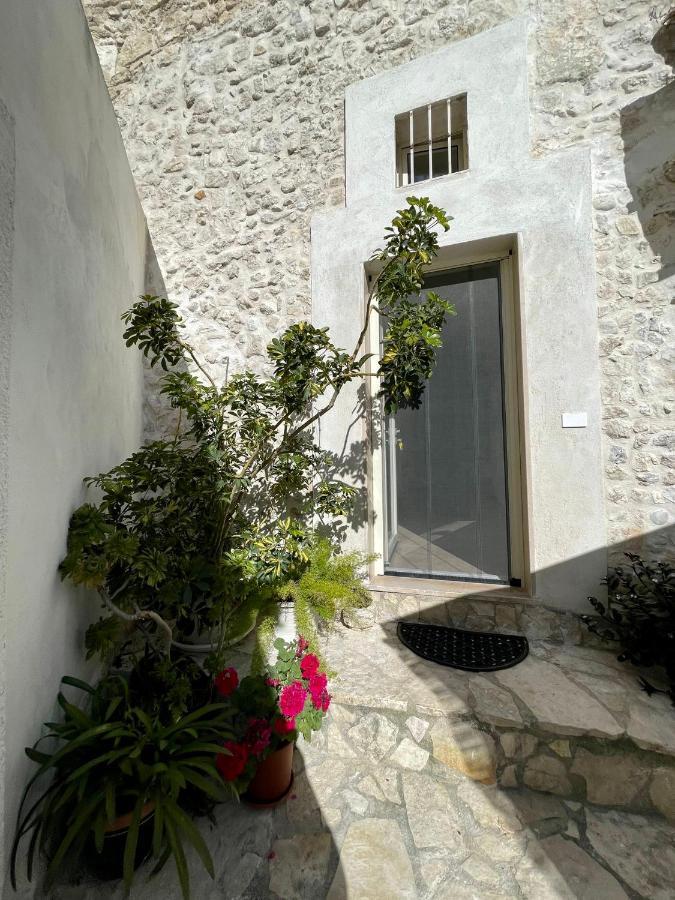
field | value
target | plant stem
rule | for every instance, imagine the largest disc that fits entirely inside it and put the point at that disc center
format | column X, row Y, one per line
column 141, row 615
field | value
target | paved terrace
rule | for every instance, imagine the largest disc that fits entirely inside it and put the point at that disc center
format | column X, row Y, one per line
column 549, row 780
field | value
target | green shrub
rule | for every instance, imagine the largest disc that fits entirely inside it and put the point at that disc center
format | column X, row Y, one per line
column 191, row 528
column 640, row 615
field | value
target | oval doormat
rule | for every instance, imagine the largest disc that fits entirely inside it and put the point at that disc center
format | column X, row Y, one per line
column 474, row 651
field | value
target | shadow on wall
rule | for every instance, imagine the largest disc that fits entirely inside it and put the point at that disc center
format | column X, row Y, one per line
column 653, row 547
column 159, row 418
column 351, row 464
column 647, row 129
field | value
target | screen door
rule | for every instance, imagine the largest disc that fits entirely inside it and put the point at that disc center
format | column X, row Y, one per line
column 446, row 506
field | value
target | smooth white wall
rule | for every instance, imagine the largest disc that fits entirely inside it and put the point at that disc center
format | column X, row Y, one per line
column 72, row 403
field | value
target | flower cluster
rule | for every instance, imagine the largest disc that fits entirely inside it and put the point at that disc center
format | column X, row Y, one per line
column 270, row 710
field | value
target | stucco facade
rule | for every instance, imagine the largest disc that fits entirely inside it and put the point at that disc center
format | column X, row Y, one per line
column 233, row 118
column 539, row 212
column 73, row 248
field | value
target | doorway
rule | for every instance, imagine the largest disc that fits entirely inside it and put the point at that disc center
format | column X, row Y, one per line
column 446, row 473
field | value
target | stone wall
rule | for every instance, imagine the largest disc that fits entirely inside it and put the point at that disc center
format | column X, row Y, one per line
column 232, row 114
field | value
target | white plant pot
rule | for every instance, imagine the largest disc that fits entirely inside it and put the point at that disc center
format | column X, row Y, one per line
column 201, row 646
column 286, row 627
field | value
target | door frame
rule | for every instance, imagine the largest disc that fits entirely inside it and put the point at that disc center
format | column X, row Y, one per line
column 504, row 253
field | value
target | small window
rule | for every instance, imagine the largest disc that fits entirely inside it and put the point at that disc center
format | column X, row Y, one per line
column 431, row 141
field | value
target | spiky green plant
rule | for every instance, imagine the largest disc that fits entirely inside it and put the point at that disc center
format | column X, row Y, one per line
column 329, row 584
column 111, row 758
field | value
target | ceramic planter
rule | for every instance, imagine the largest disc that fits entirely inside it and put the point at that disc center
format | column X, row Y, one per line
column 109, row 863
column 200, row 646
column 273, row 779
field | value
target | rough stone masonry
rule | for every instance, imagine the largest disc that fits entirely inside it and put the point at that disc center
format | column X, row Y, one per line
column 232, row 115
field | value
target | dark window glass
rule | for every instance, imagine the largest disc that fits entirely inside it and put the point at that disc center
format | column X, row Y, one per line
column 439, row 162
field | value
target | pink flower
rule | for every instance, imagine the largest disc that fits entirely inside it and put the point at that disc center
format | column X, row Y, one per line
column 303, row 644
column 233, row 764
column 283, row 727
column 226, row 682
column 292, row 699
column 309, row 665
column 318, row 685
column 273, row 682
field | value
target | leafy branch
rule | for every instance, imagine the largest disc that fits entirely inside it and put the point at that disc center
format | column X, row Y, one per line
column 193, row 529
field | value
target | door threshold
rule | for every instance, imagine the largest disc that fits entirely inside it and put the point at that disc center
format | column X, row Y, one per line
column 396, row 584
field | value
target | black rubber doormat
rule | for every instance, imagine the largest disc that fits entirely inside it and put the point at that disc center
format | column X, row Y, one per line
column 473, row 651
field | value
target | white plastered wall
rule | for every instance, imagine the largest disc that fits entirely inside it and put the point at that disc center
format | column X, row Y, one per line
column 543, row 207
column 73, row 245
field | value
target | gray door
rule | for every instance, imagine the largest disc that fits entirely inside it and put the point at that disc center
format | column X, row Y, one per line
column 445, row 463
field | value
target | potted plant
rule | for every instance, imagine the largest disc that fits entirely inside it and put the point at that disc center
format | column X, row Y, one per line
column 118, row 778
column 326, row 587
column 269, row 712
column 192, row 533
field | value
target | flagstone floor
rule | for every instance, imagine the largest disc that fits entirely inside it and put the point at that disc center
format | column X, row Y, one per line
column 396, row 797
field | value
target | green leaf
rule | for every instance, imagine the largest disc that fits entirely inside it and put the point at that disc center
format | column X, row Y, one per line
column 78, row 683
column 179, row 858
column 184, row 824
column 131, row 842
column 80, row 822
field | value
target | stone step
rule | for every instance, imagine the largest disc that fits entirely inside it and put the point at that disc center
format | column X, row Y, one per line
column 569, row 720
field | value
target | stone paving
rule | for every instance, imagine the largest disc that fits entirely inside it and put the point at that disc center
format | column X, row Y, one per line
column 403, row 792
column 570, row 719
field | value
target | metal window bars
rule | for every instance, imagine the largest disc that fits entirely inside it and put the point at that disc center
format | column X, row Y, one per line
column 443, row 127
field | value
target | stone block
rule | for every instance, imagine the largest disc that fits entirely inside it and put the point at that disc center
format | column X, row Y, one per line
column 409, row 755
column 417, row 727
column 662, row 792
column 375, row 736
column 492, row 703
column 558, row 869
column 299, row 865
column 610, row 780
column 547, row 773
column 639, row 849
column 433, row 818
column 374, row 863
column 558, row 704
column 518, row 746
column 462, row 746
column 651, row 724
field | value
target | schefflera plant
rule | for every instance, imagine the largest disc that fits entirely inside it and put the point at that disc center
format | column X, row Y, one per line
column 193, row 532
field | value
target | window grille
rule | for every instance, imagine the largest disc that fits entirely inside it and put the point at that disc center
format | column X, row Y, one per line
column 431, row 141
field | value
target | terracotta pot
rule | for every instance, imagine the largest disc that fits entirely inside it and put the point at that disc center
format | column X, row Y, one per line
column 121, row 823
column 109, row 863
column 273, row 780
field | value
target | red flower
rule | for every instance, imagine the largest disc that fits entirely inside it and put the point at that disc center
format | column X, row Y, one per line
column 309, row 665
column 325, row 701
column 258, row 736
column 283, row 727
column 273, row 682
column 231, row 766
column 303, row 644
column 292, row 699
column 226, row 682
